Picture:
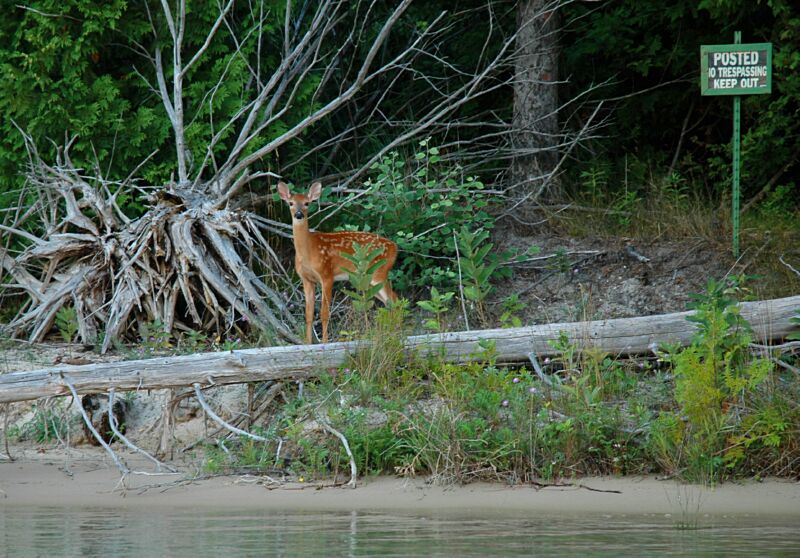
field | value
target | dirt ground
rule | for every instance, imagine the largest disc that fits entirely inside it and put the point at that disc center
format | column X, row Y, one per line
column 576, row 280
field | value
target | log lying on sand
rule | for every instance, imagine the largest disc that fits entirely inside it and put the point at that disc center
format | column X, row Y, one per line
column 769, row 319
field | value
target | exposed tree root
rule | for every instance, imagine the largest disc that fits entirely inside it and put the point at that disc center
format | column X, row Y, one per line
column 179, row 264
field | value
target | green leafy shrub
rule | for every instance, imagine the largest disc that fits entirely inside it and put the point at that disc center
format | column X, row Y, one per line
column 420, row 204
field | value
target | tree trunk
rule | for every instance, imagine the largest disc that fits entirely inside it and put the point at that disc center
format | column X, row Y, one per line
column 535, row 121
column 625, row 336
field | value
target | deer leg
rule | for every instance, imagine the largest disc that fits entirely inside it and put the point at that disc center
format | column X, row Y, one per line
column 389, row 293
column 309, row 289
column 325, row 307
column 386, row 293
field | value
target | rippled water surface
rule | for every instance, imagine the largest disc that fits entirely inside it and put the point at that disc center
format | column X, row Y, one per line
column 45, row 531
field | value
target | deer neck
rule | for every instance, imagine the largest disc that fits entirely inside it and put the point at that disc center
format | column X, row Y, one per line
column 303, row 238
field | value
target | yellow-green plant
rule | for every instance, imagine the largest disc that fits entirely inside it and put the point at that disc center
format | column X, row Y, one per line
column 714, row 375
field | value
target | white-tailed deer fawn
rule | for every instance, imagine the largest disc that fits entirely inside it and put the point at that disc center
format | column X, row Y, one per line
column 318, row 256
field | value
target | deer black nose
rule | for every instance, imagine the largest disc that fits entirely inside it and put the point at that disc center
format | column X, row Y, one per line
column 298, row 215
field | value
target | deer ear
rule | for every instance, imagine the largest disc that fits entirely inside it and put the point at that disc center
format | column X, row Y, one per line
column 283, row 192
column 315, row 191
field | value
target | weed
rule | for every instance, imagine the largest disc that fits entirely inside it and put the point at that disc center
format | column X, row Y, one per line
column 510, row 306
column 67, row 323
column 688, row 501
column 365, row 262
column 477, row 268
column 717, row 389
column 379, row 358
column 50, row 422
column 193, row 341
column 155, row 338
column 594, row 182
column 718, row 412
column 437, row 305
column 479, row 265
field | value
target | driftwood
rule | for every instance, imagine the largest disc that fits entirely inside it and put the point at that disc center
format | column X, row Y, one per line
column 625, row 336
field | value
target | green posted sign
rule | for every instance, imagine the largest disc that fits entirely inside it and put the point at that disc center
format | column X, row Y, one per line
column 736, row 69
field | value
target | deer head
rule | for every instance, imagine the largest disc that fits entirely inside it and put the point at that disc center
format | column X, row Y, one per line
column 298, row 203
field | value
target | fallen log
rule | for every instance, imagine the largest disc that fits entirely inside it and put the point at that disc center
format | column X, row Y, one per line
column 623, row 336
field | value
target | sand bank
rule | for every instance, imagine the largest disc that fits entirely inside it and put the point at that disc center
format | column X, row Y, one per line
column 84, row 479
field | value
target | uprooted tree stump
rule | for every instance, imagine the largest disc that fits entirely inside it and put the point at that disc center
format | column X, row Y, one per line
column 180, row 263
column 770, row 320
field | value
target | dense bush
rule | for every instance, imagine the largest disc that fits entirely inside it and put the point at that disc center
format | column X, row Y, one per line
column 420, row 203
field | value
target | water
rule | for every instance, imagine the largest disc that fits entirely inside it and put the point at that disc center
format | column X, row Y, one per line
column 88, row 532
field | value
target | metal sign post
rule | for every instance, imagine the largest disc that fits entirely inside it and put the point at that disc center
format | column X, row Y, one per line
column 736, row 70
column 737, row 147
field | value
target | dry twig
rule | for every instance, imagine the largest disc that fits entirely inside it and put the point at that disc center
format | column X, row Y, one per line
column 353, row 469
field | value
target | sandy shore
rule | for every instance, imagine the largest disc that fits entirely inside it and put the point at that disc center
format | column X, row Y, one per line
column 88, row 480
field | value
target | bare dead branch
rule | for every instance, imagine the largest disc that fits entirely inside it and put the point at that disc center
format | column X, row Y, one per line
column 216, row 418
column 353, row 469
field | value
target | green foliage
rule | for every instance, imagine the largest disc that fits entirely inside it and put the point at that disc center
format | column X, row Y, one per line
column 376, row 449
column 242, row 454
column 479, row 265
column 49, row 423
column 511, row 305
column 594, row 183
column 717, row 365
column 67, row 323
column 438, row 305
column 477, row 268
column 193, row 341
column 592, row 414
column 566, row 349
column 420, row 204
column 60, row 74
column 384, row 353
column 622, row 44
column 76, row 68
column 667, row 434
column 763, row 430
column 365, row 262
